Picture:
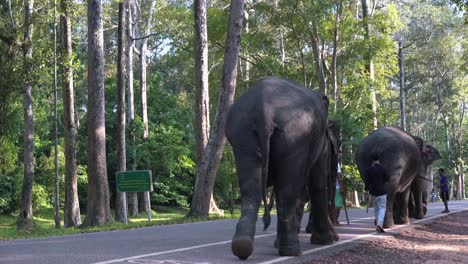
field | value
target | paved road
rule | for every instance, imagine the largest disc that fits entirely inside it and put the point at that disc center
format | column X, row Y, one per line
column 196, row 243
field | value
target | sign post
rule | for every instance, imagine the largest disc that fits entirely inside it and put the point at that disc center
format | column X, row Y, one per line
column 135, row 181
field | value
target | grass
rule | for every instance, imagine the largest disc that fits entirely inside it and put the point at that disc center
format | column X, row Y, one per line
column 45, row 225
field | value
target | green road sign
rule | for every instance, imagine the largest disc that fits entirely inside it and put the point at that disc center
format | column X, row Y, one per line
column 134, row 181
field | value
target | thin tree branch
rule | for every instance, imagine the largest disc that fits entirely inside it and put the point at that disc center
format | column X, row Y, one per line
column 147, row 36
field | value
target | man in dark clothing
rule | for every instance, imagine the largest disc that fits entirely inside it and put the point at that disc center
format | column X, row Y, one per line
column 444, row 195
column 376, row 177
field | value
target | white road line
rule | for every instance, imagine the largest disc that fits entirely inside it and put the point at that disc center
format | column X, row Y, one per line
column 173, row 251
column 356, row 238
column 266, row 235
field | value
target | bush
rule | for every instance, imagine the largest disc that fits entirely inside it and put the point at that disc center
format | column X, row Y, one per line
column 10, row 191
column 174, row 194
column 40, row 197
column 351, row 178
column 82, row 188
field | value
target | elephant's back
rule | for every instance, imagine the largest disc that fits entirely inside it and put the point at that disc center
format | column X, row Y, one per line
column 395, row 149
column 280, row 101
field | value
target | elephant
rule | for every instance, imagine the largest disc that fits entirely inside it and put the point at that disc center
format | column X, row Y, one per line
column 405, row 159
column 278, row 133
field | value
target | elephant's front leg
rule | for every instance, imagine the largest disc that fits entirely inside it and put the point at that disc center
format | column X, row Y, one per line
column 249, row 171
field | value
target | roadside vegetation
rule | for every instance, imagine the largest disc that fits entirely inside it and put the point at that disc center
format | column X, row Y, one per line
column 45, row 225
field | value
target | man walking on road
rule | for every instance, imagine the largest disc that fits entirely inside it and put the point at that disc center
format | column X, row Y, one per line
column 443, row 185
column 376, row 177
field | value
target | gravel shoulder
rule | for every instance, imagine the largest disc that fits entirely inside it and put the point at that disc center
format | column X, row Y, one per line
column 440, row 240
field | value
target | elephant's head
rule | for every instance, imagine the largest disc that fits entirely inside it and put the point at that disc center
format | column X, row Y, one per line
column 429, row 155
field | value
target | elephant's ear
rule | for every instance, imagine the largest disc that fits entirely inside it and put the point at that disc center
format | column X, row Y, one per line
column 325, row 101
column 333, row 133
column 430, row 154
column 420, row 143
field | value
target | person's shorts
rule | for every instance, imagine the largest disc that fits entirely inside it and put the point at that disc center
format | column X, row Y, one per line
column 338, row 199
column 444, row 196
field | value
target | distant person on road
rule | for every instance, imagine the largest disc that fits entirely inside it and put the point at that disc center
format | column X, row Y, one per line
column 443, row 185
column 433, row 195
column 376, row 177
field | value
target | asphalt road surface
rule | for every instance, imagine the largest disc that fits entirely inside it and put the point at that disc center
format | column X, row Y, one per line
column 196, row 243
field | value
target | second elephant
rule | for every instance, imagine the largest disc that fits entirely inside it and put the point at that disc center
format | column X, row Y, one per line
column 406, row 160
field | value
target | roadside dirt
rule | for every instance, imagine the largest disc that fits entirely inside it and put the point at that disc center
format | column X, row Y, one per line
column 440, row 241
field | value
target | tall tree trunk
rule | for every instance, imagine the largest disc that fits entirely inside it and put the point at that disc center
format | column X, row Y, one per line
column 131, row 102
column 319, row 71
column 57, row 177
column 143, row 51
column 206, row 171
column 370, row 64
column 335, row 54
column 202, row 104
column 120, row 199
column 25, row 217
column 461, row 176
column 202, row 99
column 247, row 59
column 72, row 206
column 402, row 86
column 143, row 201
column 316, row 49
column 98, row 189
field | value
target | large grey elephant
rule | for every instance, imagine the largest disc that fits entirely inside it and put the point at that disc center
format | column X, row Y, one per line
column 405, row 159
column 278, row 132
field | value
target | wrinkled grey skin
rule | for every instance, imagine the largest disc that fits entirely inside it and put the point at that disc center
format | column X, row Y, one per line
column 404, row 158
column 334, row 145
column 417, row 205
column 278, row 132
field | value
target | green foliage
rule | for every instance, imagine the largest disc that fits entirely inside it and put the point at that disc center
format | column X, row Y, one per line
column 10, row 176
column 351, row 178
column 45, row 225
column 82, row 188
column 10, row 191
column 8, row 156
column 40, row 197
column 226, row 184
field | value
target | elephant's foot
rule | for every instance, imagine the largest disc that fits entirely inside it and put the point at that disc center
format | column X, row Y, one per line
column 325, row 238
column 242, row 247
column 335, row 236
column 309, row 229
column 401, row 220
column 290, row 250
column 388, row 222
column 420, row 214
